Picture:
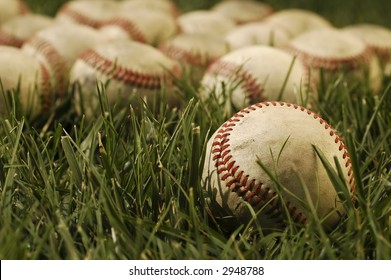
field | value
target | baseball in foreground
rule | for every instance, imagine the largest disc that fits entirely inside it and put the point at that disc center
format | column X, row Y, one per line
column 256, row 73
column 281, row 136
column 130, row 69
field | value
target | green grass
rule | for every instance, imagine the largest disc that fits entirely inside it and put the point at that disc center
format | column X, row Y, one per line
column 340, row 13
column 127, row 184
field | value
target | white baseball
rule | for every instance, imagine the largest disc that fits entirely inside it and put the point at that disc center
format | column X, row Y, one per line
column 166, row 6
column 297, row 21
column 194, row 52
column 11, row 8
column 130, row 68
column 334, row 51
column 378, row 38
column 17, row 30
column 282, row 137
column 243, row 11
column 205, row 22
column 257, row 33
column 143, row 25
column 256, row 73
column 87, row 12
column 22, row 72
column 58, row 46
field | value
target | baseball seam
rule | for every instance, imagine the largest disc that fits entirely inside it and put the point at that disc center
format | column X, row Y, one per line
column 119, row 73
column 128, row 26
column 180, row 54
column 79, row 17
column 23, row 8
column 250, row 189
column 382, row 52
column 54, row 59
column 174, row 11
column 252, row 88
column 45, row 89
column 10, row 40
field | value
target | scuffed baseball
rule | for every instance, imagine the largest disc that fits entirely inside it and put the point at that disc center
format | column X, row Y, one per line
column 282, row 137
column 17, row 30
column 256, row 73
column 297, row 21
column 129, row 68
column 58, row 47
column 335, row 51
column 258, row 33
column 23, row 74
column 205, row 22
column 243, row 11
column 151, row 27
column 87, row 12
column 12, row 8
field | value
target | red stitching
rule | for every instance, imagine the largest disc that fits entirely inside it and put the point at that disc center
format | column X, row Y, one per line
column 55, row 60
column 79, row 17
column 47, row 100
column 178, row 53
column 10, row 40
column 128, row 26
column 248, row 188
column 252, row 89
column 333, row 64
column 126, row 75
column 23, row 8
column 383, row 52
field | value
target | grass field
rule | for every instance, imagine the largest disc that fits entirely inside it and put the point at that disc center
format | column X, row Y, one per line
column 127, row 184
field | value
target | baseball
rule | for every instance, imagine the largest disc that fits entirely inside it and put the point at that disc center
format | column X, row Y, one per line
column 281, row 136
column 257, row 33
column 206, row 22
column 335, row 51
column 378, row 38
column 143, row 25
column 58, row 46
column 23, row 74
column 16, row 31
column 257, row 73
column 166, row 6
column 243, row 11
column 194, row 52
column 123, row 64
column 297, row 21
column 86, row 12
column 11, row 8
